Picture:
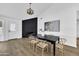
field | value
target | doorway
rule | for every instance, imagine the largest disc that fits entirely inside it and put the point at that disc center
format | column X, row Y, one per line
column 29, row 26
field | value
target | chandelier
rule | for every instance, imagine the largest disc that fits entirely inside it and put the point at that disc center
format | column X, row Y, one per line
column 30, row 11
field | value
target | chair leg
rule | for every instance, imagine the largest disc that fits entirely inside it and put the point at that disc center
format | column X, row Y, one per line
column 51, row 49
column 42, row 52
column 36, row 49
column 62, row 50
column 33, row 47
column 29, row 43
column 47, row 49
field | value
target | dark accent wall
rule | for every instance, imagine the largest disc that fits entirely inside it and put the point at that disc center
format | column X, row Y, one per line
column 29, row 26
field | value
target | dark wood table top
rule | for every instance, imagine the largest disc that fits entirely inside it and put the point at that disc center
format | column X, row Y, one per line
column 48, row 37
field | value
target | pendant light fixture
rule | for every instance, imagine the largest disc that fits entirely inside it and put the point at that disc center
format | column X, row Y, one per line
column 30, row 11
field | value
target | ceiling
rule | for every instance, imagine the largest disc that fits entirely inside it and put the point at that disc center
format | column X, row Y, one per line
column 41, row 7
column 18, row 10
column 38, row 8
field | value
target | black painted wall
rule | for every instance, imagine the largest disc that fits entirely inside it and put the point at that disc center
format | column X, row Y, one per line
column 29, row 26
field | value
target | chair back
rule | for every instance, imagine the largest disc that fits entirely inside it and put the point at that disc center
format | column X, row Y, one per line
column 31, row 37
column 62, row 41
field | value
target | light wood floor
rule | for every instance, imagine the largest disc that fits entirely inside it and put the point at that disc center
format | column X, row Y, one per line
column 20, row 47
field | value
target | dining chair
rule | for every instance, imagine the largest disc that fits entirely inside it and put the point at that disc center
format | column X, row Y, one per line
column 33, row 41
column 60, row 46
column 43, row 45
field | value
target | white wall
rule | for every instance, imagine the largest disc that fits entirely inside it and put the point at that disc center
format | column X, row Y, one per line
column 66, row 13
column 12, row 12
column 1, row 31
column 78, row 24
column 78, row 28
column 11, row 35
column 17, row 32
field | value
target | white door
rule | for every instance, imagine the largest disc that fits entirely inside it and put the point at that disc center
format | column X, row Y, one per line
column 12, row 29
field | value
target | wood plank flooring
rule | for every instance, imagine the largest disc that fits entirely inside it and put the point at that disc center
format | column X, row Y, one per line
column 20, row 47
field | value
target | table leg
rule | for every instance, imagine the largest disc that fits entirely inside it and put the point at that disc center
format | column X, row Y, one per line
column 54, row 47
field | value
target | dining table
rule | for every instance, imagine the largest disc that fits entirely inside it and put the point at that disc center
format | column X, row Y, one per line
column 50, row 38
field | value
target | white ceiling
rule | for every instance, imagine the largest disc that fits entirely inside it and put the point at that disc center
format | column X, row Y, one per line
column 38, row 8
column 18, row 10
column 41, row 7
